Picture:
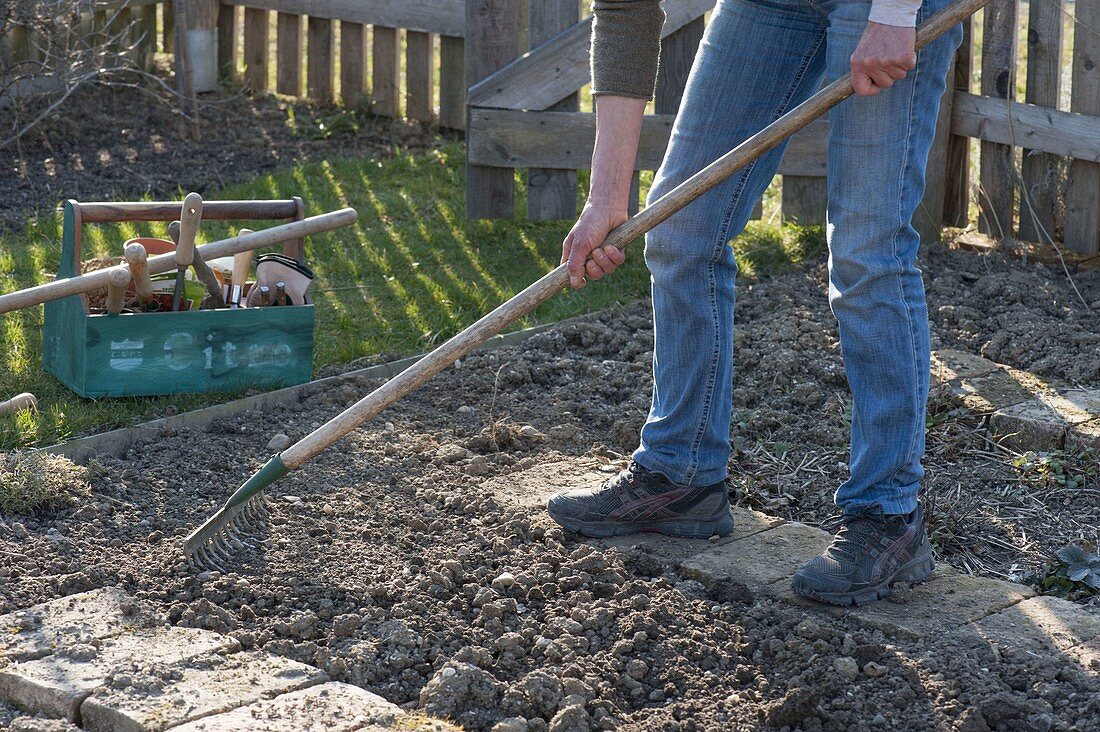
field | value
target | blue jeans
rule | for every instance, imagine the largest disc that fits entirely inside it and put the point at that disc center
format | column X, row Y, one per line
column 758, row 59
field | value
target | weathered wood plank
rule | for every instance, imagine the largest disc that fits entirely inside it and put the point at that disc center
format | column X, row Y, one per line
column 168, row 28
column 677, row 54
column 559, row 67
column 804, row 199
column 446, row 17
column 1036, row 128
column 147, row 33
column 1082, row 225
column 490, row 43
column 1042, row 173
column 928, row 218
column 321, row 61
column 386, row 79
column 419, row 68
column 996, row 202
column 552, row 194
column 255, row 49
column 452, row 83
column 353, row 77
column 288, row 55
column 510, row 138
column 227, row 41
column 956, row 204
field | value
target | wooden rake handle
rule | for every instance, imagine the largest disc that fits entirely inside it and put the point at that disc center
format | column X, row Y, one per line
column 557, row 279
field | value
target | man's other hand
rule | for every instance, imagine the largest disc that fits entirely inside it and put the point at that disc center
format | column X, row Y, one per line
column 884, row 54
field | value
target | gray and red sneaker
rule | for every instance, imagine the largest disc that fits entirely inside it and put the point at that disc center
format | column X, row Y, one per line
column 871, row 551
column 638, row 500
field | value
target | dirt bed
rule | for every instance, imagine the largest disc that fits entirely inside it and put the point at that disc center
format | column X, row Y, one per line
column 390, row 566
column 107, row 144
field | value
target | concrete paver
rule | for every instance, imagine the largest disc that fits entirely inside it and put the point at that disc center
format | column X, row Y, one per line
column 949, row 364
column 331, row 707
column 1046, row 626
column 57, row 684
column 761, row 560
column 207, row 685
column 36, row 631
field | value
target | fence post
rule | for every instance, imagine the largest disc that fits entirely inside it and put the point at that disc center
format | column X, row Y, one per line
column 419, row 58
column 255, row 49
column 168, row 30
column 490, row 44
column 227, row 41
column 288, row 55
column 928, row 218
column 386, row 80
column 956, row 203
column 147, row 29
column 1042, row 173
column 353, row 87
column 998, row 80
column 452, row 83
column 1083, row 193
column 552, row 194
column 321, row 62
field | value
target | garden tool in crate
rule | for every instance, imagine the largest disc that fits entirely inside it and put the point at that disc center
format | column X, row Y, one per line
column 212, row 544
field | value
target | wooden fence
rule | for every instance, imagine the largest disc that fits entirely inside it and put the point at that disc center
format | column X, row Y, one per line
column 366, row 36
column 1038, row 176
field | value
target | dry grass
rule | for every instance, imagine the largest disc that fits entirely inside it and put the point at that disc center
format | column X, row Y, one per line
column 33, row 481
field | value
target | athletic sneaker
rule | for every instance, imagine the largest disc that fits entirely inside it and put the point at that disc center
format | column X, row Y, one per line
column 637, row 500
column 871, row 551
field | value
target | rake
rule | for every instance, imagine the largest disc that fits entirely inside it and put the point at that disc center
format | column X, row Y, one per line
column 212, row 545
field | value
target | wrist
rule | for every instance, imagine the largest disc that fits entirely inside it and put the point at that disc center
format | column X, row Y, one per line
column 609, row 206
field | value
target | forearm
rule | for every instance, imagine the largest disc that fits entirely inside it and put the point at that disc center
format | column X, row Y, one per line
column 618, row 129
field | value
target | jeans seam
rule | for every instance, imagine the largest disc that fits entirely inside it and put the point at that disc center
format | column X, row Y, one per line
column 914, row 438
column 712, row 376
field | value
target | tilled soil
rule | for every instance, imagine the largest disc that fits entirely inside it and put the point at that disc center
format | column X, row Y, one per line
column 115, row 144
column 391, row 566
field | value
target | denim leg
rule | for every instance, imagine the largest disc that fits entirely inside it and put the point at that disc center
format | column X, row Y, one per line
column 878, row 147
column 758, row 58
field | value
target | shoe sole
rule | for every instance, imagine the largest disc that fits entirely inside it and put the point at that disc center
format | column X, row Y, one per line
column 720, row 524
column 917, row 570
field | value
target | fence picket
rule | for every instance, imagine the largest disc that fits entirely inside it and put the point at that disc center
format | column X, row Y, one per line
column 419, row 58
column 995, row 201
column 321, row 61
column 255, row 49
column 452, row 83
column 227, row 41
column 1082, row 225
column 288, row 54
column 353, row 78
column 147, row 32
column 490, row 43
column 168, row 27
column 956, row 198
column 1042, row 173
column 386, row 77
column 552, row 194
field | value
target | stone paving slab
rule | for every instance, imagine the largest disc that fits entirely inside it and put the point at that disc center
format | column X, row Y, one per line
column 671, row 551
column 37, row 631
column 760, row 561
column 1084, row 435
column 1046, row 626
column 331, row 707
column 208, row 685
column 1043, row 422
column 948, row 599
column 530, row 487
column 57, row 684
column 990, row 392
column 949, row 365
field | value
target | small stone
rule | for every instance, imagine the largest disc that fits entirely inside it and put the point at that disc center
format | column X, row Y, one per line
column 878, row 720
column 504, row 580
column 511, row 724
column 389, row 427
column 847, row 667
column 278, row 442
column 874, row 670
column 479, row 465
column 467, row 409
column 636, row 669
column 531, row 433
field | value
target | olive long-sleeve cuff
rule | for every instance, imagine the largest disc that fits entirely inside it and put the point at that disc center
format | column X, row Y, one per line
column 626, row 47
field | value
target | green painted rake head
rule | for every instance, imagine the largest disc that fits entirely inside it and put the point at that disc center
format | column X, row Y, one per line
column 211, row 546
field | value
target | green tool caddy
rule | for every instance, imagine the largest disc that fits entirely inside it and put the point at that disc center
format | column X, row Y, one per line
column 187, row 352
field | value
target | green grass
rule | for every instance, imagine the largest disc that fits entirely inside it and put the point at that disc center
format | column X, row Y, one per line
column 411, row 272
